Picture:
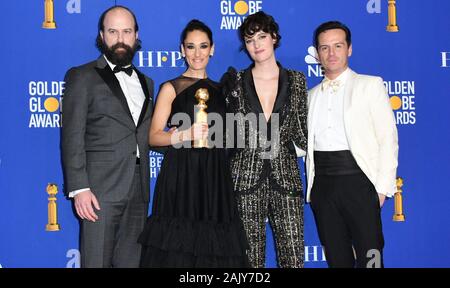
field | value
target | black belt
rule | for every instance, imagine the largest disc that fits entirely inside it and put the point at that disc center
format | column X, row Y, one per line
column 138, row 160
column 335, row 163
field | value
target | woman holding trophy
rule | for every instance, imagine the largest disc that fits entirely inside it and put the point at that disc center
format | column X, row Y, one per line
column 194, row 220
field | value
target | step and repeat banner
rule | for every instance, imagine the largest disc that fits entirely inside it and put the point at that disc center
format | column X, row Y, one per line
column 38, row 227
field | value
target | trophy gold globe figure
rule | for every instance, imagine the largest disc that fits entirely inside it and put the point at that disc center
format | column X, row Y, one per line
column 392, row 17
column 49, row 22
column 202, row 96
column 52, row 224
column 398, row 202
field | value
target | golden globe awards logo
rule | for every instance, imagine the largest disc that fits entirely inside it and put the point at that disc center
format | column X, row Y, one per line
column 44, row 103
column 234, row 12
column 403, row 101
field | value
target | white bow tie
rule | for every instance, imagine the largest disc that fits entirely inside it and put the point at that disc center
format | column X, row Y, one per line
column 333, row 84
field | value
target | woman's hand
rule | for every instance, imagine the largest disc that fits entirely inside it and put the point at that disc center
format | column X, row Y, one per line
column 198, row 131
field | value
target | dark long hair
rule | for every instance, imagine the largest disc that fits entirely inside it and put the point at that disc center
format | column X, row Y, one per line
column 193, row 25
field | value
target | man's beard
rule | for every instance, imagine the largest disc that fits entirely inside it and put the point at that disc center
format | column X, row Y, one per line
column 123, row 57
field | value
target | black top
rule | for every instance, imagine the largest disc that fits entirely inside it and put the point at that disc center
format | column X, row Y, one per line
column 194, row 221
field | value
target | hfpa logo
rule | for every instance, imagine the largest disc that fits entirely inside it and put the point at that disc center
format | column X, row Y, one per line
column 160, row 59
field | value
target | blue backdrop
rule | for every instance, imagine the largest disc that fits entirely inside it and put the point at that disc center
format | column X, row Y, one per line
column 415, row 63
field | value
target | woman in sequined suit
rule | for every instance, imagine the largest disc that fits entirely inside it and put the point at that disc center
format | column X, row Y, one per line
column 266, row 176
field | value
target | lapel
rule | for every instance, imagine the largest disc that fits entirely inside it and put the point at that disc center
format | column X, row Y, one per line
column 146, row 90
column 349, row 93
column 282, row 92
column 110, row 79
column 312, row 113
column 250, row 91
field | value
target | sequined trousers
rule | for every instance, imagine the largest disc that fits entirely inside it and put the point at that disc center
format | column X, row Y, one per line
column 285, row 214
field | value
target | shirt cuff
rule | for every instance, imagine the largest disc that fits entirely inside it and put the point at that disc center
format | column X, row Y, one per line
column 300, row 152
column 73, row 193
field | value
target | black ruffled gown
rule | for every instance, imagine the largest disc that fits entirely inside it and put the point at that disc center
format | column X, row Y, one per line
column 194, row 220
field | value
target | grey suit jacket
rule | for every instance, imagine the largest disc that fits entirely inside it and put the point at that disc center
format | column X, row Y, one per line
column 99, row 136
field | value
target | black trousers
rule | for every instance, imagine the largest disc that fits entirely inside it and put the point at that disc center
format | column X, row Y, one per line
column 347, row 213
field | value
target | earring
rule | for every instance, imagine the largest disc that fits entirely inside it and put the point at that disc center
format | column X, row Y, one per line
column 182, row 55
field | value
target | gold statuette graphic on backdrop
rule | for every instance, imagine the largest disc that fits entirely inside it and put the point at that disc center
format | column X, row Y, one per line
column 392, row 17
column 49, row 22
column 52, row 224
column 202, row 95
column 398, row 215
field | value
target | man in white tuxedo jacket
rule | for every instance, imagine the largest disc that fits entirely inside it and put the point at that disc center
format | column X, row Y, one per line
column 352, row 154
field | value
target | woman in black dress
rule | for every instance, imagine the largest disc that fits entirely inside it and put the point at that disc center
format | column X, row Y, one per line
column 194, row 220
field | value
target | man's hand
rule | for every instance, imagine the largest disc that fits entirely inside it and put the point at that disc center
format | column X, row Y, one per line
column 83, row 204
column 381, row 197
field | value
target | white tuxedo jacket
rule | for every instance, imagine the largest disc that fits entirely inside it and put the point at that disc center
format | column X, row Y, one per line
column 370, row 129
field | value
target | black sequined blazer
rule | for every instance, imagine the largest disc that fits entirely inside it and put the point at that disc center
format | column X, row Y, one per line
column 250, row 167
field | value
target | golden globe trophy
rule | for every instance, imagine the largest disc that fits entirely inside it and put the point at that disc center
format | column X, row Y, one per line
column 202, row 95
column 398, row 215
column 49, row 22
column 392, row 17
column 52, row 224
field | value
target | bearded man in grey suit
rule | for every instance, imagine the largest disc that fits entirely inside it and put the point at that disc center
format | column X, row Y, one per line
column 107, row 110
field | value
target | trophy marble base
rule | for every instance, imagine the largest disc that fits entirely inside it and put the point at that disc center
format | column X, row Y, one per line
column 200, row 143
column 392, row 28
column 52, row 227
column 49, row 25
column 399, row 218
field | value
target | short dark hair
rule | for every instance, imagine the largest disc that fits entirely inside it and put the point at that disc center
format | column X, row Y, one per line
column 193, row 25
column 101, row 26
column 259, row 21
column 329, row 26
